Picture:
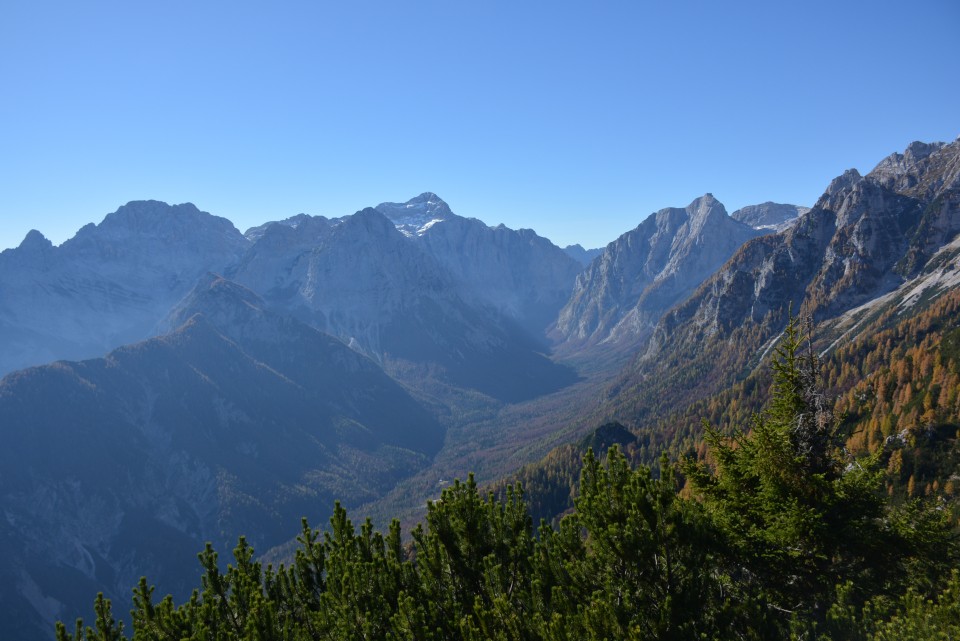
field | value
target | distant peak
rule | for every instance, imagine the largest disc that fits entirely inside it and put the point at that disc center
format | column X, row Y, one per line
column 769, row 215
column 141, row 214
column 919, row 150
column 897, row 164
column 369, row 219
column 418, row 214
column 706, row 206
column 426, row 197
column 849, row 178
column 35, row 241
column 214, row 297
column 136, row 206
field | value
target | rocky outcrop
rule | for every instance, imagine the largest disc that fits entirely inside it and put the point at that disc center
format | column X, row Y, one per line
column 626, row 289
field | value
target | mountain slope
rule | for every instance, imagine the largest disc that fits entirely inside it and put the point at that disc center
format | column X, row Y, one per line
column 865, row 237
column 239, row 421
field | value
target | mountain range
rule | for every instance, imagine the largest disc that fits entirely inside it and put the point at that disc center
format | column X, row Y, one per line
column 171, row 380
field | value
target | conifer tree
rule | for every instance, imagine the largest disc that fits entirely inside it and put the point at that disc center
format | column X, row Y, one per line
column 799, row 516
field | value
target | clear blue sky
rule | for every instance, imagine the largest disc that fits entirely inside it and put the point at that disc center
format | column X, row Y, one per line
column 576, row 119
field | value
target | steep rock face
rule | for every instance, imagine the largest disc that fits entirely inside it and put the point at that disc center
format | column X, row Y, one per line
column 516, row 272
column 361, row 279
column 640, row 275
column 769, row 215
column 349, row 279
column 109, row 284
column 237, row 422
column 866, row 236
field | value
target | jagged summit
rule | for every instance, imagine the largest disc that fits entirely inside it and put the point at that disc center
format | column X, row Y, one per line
column 865, row 237
column 416, row 215
column 34, row 241
column 148, row 214
column 705, row 210
column 923, row 170
column 843, row 182
column 108, row 285
column 897, row 163
column 150, row 221
column 625, row 290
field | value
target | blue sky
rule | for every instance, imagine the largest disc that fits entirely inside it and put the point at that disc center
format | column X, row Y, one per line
column 576, row 119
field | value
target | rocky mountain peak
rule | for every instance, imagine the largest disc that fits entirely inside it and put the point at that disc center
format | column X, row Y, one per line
column 844, row 181
column 34, row 241
column 705, row 210
column 923, row 170
column 625, row 290
column 705, row 204
column 213, row 292
column 368, row 221
column 148, row 214
column 418, row 214
column 157, row 223
column 111, row 283
column 294, row 222
column 33, row 253
column 581, row 255
column 234, row 310
column 837, row 189
column 897, row 164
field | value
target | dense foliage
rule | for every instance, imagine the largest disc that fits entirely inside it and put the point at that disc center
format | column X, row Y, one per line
column 897, row 390
column 780, row 533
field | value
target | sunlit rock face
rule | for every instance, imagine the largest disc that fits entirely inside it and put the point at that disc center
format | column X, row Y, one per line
column 865, row 236
column 517, row 273
column 625, row 290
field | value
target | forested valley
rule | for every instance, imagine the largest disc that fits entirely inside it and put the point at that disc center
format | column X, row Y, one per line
column 793, row 523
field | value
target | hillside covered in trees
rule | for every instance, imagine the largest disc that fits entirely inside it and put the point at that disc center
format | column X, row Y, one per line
column 779, row 531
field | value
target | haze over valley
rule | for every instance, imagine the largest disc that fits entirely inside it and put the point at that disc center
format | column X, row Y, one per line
column 166, row 373
column 463, row 321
